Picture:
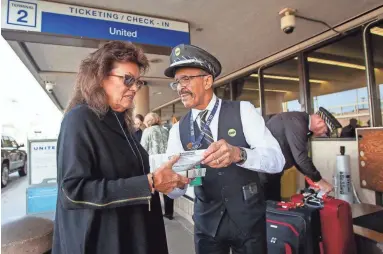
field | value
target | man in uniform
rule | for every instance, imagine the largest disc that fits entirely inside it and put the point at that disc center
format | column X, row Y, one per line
column 293, row 130
column 229, row 208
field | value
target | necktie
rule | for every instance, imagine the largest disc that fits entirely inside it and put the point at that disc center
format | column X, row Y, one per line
column 208, row 137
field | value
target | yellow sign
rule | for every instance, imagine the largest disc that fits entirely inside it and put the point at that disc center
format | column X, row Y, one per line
column 177, row 51
column 232, row 132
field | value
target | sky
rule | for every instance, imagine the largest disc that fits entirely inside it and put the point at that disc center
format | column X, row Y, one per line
column 23, row 102
column 334, row 100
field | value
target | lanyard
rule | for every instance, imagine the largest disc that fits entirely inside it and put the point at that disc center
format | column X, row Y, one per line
column 196, row 144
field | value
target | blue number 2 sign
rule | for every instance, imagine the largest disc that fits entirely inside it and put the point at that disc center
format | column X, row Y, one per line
column 21, row 13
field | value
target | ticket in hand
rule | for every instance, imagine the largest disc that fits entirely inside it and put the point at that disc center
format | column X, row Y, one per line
column 187, row 161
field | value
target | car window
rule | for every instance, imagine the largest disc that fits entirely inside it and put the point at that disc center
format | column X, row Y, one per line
column 6, row 142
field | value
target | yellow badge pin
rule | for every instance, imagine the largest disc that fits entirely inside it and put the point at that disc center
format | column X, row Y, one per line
column 232, row 132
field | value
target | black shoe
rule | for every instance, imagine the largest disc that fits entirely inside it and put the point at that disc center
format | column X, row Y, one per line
column 168, row 216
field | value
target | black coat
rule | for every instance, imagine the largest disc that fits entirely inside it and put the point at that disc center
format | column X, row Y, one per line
column 291, row 130
column 138, row 135
column 104, row 195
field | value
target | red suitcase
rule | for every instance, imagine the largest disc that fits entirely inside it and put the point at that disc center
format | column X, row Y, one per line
column 336, row 225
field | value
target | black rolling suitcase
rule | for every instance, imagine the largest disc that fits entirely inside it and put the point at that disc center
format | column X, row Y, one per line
column 292, row 228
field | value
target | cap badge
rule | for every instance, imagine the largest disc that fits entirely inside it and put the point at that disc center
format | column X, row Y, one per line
column 177, row 51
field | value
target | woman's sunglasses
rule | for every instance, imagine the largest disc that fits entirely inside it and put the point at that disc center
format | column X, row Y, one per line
column 129, row 80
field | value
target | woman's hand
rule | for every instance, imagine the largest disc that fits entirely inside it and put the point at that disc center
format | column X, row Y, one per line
column 165, row 179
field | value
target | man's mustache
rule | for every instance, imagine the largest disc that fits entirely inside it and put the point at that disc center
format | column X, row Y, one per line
column 185, row 92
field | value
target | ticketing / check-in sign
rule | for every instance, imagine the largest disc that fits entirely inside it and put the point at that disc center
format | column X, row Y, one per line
column 71, row 20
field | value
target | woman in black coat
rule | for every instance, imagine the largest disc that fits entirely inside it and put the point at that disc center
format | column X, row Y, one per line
column 108, row 200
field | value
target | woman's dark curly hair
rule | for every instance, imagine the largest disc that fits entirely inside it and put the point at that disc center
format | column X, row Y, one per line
column 96, row 67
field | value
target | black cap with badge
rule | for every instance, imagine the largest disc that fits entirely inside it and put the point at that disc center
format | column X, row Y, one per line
column 331, row 122
column 185, row 55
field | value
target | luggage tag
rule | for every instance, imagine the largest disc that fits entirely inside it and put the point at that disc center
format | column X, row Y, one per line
column 286, row 206
column 311, row 183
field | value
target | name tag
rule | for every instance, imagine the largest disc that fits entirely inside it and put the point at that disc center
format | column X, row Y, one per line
column 196, row 172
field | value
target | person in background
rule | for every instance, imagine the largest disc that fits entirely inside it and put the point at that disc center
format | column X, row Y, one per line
column 155, row 141
column 139, row 126
column 108, row 201
column 154, row 138
column 349, row 131
column 292, row 131
column 229, row 208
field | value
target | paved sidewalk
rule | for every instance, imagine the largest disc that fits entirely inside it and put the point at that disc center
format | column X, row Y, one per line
column 179, row 233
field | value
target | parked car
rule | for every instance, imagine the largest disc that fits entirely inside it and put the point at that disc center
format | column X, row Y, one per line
column 12, row 159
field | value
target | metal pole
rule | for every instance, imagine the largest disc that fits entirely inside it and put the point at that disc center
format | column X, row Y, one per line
column 304, row 92
column 373, row 95
column 261, row 87
column 304, row 84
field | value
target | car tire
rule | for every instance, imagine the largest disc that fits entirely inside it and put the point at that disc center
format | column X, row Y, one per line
column 23, row 171
column 4, row 175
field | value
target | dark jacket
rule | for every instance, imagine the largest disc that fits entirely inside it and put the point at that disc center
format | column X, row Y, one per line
column 138, row 135
column 221, row 189
column 291, row 130
column 104, row 195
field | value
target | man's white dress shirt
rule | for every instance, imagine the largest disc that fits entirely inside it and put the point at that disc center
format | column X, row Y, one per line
column 264, row 154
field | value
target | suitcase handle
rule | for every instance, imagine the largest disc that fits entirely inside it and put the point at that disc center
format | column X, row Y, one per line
column 314, row 202
column 315, row 186
column 49, row 180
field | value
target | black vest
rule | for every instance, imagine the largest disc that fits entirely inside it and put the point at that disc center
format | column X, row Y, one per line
column 222, row 188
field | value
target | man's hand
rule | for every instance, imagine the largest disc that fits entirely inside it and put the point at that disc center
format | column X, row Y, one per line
column 220, row 154
column 325, row 186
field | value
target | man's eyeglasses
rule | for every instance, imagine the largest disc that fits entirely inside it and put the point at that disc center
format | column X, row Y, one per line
column 129, row 80
column 184, row 81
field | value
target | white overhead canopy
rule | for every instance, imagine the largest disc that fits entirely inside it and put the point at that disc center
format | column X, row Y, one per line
column 238, row 33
